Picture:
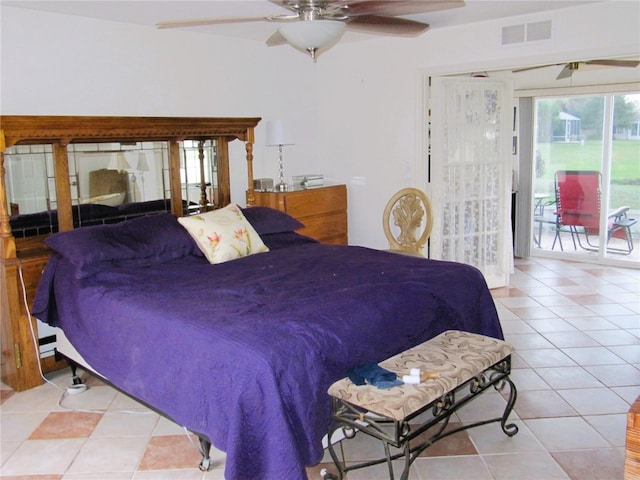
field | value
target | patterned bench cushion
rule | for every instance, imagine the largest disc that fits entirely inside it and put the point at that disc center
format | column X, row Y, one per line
column 457, row 356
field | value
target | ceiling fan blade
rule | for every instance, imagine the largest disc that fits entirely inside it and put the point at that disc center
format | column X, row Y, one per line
column 397, row 7
column 568, row 70
column 276, row 40
column 614, row 63
column 526, row 69
column 386, row 25
column 199, row 22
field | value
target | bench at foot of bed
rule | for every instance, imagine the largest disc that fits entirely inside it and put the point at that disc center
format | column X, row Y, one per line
column 464, row 364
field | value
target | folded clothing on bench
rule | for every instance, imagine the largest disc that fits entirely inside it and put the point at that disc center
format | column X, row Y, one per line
column 373, row 374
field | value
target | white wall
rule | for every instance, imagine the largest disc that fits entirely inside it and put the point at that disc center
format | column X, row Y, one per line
column 356, row 112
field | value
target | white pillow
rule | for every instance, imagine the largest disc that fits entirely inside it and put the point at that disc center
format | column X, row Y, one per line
column 223, row 234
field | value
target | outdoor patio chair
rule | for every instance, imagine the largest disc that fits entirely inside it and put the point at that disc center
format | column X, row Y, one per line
column 578, row 208
column 545, row 216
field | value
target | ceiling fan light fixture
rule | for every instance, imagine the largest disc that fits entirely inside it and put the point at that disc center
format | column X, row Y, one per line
column 310, row 35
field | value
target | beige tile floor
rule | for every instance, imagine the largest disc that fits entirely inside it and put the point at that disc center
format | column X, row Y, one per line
column 576, row 328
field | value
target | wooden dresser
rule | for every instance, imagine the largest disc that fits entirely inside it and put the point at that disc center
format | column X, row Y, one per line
column 323, row 210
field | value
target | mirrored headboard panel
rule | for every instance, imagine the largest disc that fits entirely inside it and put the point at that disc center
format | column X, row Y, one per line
column 105, row 180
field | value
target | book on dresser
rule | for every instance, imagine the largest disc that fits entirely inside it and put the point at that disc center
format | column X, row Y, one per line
column 322, row 210
column 308, row 181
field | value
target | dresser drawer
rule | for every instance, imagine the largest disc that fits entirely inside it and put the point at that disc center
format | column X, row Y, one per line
column 316, row 201
column 325, row 227
column 322, row 210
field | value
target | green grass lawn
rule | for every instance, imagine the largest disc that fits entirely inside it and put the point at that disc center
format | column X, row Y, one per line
column 625, row 169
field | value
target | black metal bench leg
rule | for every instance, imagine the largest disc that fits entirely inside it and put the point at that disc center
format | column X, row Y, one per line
column 510, row 429
column 387, row 454
column 334, row 456
column 407, row 461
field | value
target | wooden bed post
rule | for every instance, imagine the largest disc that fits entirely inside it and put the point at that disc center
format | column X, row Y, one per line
column 203, row 186
column 63, row 187
column 224, row 177
column 174, row 178
column 18, row 360
column 251, row 199
column 7, row 242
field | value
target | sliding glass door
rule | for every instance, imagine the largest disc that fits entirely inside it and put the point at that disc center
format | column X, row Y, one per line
column 586, row 170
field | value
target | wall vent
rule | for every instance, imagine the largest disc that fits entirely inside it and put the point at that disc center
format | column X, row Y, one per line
column 538, row 31
column 513, row 34
column 529, row 32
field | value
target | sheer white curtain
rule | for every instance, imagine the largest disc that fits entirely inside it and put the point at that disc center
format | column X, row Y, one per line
column 471, row 127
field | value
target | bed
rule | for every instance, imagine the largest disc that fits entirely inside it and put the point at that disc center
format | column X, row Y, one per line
column 239, row 349
column 241, row 352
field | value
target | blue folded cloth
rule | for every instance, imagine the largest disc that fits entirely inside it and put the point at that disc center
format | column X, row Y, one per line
column 373, row 374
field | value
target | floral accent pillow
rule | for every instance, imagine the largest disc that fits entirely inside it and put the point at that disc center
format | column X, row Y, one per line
column 223, row 234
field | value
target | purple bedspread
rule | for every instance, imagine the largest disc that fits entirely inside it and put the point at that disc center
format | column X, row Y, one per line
column 244, row 351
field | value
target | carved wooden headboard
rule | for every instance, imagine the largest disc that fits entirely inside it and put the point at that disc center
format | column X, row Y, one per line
column 62, row 131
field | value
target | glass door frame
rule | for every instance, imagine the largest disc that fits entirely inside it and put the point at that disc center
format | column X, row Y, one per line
column 602, row 257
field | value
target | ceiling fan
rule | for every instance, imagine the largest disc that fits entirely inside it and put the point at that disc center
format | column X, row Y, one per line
column 571, row 67
column 314, row 24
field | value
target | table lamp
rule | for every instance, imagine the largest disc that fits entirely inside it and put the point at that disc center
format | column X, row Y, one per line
column 278, row 135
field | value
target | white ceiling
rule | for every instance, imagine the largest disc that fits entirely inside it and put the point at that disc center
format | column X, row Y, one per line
column 150, row 12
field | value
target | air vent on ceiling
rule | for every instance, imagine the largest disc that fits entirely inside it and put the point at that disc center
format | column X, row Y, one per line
column 529, row 32
column 513, row 34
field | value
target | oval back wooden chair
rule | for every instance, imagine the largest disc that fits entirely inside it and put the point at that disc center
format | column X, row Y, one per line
column 408, row 221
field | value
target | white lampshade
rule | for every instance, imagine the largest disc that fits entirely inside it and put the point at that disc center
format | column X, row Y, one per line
column 278, row 133
column 143, row 166
column 311, row 35
column 118, row 162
